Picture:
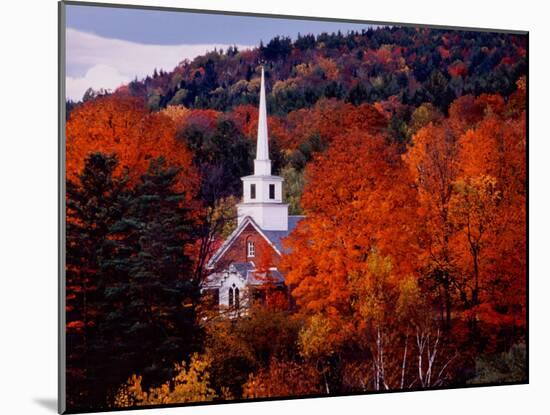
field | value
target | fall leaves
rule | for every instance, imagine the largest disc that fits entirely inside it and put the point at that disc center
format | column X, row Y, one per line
column 409, row 270
column 357, row 198
column 470, row 172
column 123, row 126
column 190, row 384
column 393, row 242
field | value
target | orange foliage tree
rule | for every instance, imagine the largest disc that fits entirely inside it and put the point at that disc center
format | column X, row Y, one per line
column 358, row 198
column 282, row 378
column 353, row 264
column 330, row 118
column 124, row 127
column 433, row 161
column 489, row 210
column 469, row 171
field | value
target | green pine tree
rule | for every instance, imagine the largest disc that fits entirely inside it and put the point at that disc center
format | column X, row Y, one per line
column 90, row 213
column 150, row 278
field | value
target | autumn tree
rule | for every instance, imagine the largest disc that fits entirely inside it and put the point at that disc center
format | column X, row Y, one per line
column 422, row 116
column 473, row 211
column 191, row 383
column 124, row 127
column 247, row 344
column 477, row 139
column 221, row 155
column 470, row 174
column 433, row 159
column 351, row 190
column 358, row 199
column 397, row 328
column 283, row 379
column 319, row 343
column 490, row 209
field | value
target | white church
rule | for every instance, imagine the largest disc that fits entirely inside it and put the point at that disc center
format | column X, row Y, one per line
column 263, row 222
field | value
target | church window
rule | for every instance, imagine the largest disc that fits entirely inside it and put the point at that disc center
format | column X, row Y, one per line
column 237, row 299
column 251, row 249
column 272, row 191
column 230, row 297
column 252, row 191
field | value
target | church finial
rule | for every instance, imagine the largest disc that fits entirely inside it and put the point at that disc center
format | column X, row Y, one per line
column 262, row 164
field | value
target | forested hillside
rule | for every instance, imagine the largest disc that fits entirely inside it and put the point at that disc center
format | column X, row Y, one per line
column 410, row 66
column 406, row 150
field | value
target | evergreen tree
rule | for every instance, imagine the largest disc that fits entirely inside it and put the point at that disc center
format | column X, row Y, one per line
column 151, row 293
column 90, row 212
column 131, row 295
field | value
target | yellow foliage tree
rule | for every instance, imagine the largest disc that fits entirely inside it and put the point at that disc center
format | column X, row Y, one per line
column 190, row 384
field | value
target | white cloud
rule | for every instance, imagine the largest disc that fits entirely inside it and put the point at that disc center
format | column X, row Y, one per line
column 98, row 76
column 112, row 62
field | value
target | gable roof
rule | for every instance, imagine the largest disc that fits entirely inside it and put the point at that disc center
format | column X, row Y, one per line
column 247, row 272
column 243, row 267
column 274, row 238
column 234, row 235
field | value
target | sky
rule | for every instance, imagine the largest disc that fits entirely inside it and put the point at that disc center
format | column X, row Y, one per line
column 107, row 47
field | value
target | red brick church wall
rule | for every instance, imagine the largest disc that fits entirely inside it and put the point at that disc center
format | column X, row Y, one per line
column 237, row 252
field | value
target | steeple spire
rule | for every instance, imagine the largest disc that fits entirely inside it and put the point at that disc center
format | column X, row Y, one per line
column 262, row 192
column 262, row 164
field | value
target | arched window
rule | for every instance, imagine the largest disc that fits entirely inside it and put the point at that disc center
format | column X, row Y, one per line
column 237, row 299
column 250, row 249
column 231, row 297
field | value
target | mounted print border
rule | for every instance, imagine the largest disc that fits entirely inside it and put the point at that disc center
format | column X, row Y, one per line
column 259, row 207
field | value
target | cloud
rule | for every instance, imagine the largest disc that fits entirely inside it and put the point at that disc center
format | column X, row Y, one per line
column 98, row 76
column 108, row 63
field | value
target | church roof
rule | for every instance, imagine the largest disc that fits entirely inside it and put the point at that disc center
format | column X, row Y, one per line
column 246, row 270
column 243, row 267
column 273, row 237
column 276, row 237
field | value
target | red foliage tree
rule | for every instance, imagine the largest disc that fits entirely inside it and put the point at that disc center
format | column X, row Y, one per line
column 358, row 198
column 124, row 127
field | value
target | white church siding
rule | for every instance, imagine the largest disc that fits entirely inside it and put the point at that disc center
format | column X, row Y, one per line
column 268, row 216
column 233, row 281
column 262, row 189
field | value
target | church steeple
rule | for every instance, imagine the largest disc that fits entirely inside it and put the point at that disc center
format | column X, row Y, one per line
column 262, row 164
column 262, row 192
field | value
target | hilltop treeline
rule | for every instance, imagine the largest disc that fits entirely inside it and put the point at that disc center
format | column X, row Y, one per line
column 410, row 65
